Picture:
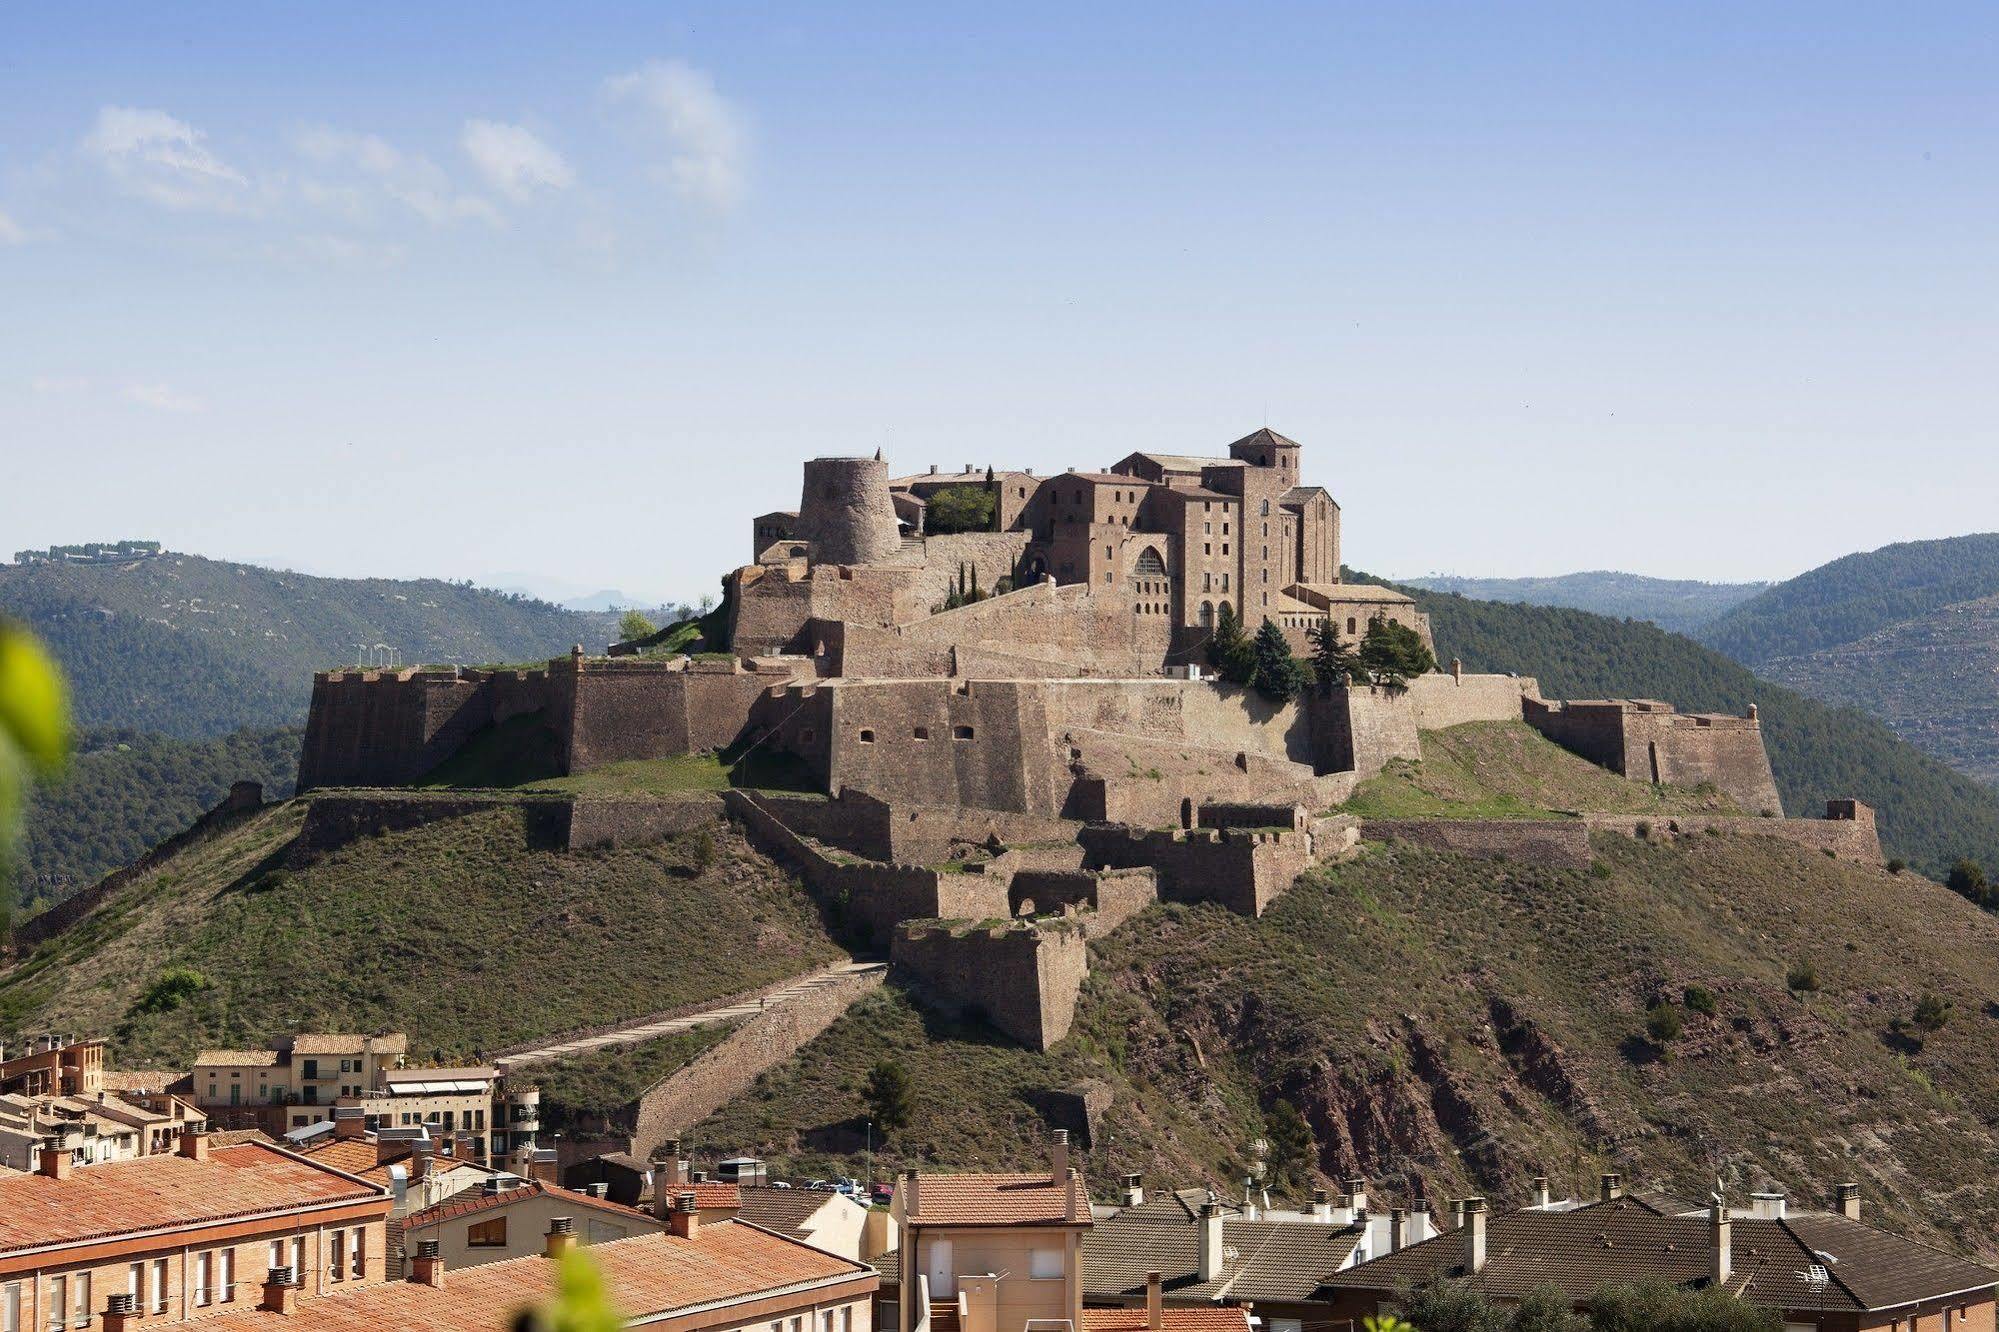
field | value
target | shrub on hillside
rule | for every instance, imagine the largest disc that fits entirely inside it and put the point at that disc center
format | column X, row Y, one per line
column 1803, row 977
column 1662, row 1023
column 1932, row 1011
column 1699, row 999
column 1967, row 879
column 173, row 987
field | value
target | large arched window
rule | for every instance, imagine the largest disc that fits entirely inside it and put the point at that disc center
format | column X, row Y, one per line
column 1150, row 565
column 1207, row 615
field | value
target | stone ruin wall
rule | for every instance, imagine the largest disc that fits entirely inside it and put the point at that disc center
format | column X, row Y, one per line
column 1241, row 870
column 1022, row 979
column 1100, row 900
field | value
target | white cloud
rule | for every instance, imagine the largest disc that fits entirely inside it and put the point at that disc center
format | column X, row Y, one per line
column 380, row 169
column 707, row 145
column 165, row 160
column 513, row 159
column 163, row 398
column 11, row 232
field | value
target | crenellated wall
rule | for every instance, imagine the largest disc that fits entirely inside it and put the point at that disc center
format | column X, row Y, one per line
column 1022, row 978
column 1649, row 741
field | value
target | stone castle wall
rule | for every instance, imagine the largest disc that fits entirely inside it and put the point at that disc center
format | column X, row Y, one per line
column 1023, row 979
column 1236, row 868
column 569, row 823
column 1845, row 835
column 1647, row 741
column 844, row 511
column 1562, row 844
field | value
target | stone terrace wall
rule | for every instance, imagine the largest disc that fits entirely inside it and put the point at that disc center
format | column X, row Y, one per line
column 569, row 823
column 601, row 822
column 1242, row 870
column 1847, row 838
column 1359, row 729
column 1647, row 741
column 1023, row 979
column 925, row 834
column 1560, row 843
column 717, row 1076
column 1441, row 699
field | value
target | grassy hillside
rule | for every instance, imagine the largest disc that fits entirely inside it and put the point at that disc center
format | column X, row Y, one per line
column 1929, row 813
column 457, row 932
column 124, row 791
column 1451, row 1025
column 192, row 647
column 1679, row 604
column 1509, row 770
column 1857, row 595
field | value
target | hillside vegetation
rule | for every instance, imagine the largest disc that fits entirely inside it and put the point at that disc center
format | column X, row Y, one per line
column 1856, row 595
column 123, row 791
column 1450, row 1025
column 1679, row 604
column 1930, row 814
column 457, row 932
column 193, row 647
column 1507, row 770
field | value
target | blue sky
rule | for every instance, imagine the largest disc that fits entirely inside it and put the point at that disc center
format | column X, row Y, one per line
column 484, row 291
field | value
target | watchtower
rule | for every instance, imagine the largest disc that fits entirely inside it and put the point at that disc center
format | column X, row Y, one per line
column 846, row 513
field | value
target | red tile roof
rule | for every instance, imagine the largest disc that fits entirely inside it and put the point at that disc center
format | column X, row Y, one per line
column 645, row 1276
column 156, row 1192
column 998, row 1200
column 478, row 1200
column 1213, row 1319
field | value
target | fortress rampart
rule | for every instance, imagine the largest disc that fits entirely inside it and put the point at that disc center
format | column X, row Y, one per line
column 1021, row 978
column 1648, row 741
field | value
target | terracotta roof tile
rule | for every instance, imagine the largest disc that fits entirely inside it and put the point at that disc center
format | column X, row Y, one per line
column 151, row 1192
column 237, row 1059
column 473, row 1201
column 996, row 1200
column 783, row 1210
column 645, row 1276
column 1286, row 1260
column 1216, row 1319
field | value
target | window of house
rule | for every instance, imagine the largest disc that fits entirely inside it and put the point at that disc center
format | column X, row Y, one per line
column 1225, row 547
column 1207, row 547
column 867, row 736
column 10, row 1307
column 204, row 1279
column 337, row 1269
column 79, row 1299
column 298, row 1258
column 1350, row 624
column 487, row 1234
column 157, row 1291
column 225, row 1284
column 58, row 1299
column 1044, row 1264
column 961, row 733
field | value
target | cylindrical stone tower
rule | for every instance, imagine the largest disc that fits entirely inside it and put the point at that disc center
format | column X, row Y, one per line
column 845, row 511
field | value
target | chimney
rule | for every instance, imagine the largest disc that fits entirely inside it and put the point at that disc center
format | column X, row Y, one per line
column 561, row 1237
column 1134, row 1189
column 933, row 469
column 1398, row 1229
column 1210, row 1241
column 1070, row 1189
column 349, row 1122
column 1541, row 1195
column 670, row 1166
column 1322, row 1206
column 1611, row 1188
column 1474, row 1234
column 194, row 1144
column 1849, row 1201
column 120, row 1312
column 1059, row 1150
column 1722, row 1261
column 55, row 1162
column 1768, row 1206
column 420, row 1159
column 280, row 1291
column 685, row 1218
column 1155, row 1305
column 1356, row 1196
column 1421, row 1224
column 1457, row 1212
column 427, row 1269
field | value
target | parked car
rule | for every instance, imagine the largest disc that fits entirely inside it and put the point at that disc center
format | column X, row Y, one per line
column 780, row 1183
column 850, row 1188
column 820, row 1185
column 882, row 1193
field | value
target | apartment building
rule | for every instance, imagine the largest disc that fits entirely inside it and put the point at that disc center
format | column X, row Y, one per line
column 294, row 1083
column 53, row 1065
column 1004, row 1253
column 692, row 1277
column 507, row 1217
column 156, row 1240
column 104, row 1126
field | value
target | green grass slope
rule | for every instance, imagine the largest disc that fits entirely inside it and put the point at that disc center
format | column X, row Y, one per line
column 1506, row 770
column 192, row 646
column 1679, row 604
column 1856, row 595
column 1930, row 814
column 124, row 791
column 457, row 932
column 1451, row 1025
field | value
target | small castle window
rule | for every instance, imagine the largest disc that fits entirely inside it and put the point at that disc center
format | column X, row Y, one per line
column 867, row 736
column 922, row 733
column 807, row 736
column 961, row 733
column 1350, row 624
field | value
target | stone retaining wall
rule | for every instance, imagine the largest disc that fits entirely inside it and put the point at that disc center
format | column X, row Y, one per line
column 1560, row 843
column 725, row 1071
column 1846, row 837
column 563, row 822
column 1021, row 978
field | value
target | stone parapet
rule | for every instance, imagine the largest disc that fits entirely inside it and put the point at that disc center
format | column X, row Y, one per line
column 1021, row 977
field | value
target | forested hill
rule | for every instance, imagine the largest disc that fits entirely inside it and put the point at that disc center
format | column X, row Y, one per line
column 1854, row 596
column 124, row 791
column 1930, row 814
column 196, row 647
column 1682, row 605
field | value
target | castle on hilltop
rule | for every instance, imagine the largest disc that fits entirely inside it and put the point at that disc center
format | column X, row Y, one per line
column 992, row 685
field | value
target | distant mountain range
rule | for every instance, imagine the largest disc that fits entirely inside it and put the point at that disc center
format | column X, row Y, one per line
column 1908, row 634
column 1680, row 605
column 191, row 647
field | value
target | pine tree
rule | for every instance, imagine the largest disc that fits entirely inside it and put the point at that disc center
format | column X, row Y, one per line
column 1274, row 672
column 1391, row 652
column 1333, row 662
column 888, row 1096
column 1292, row 1150
column 1229, row 651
